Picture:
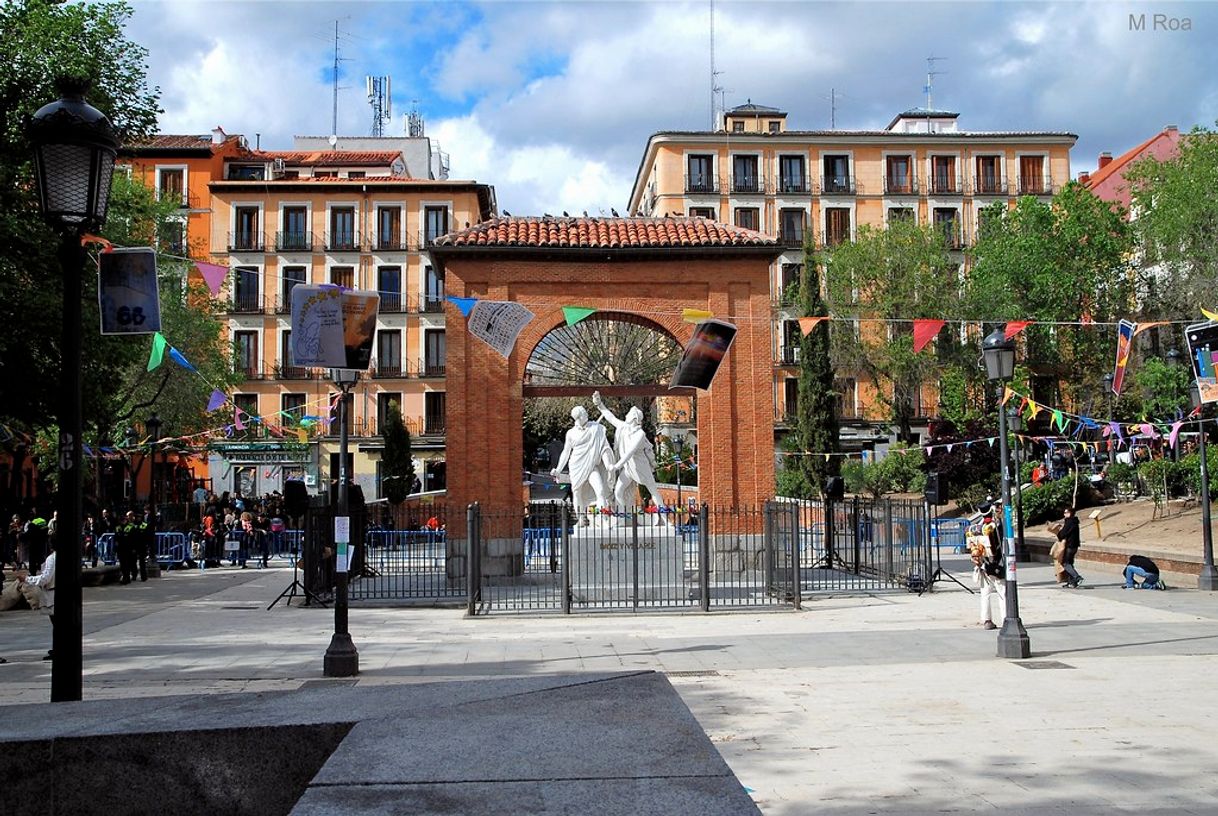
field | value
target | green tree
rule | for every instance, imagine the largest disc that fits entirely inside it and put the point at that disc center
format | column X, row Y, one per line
column 893, row 274
column 1177, row 225
column 1163, row 388
column 1058, row 261
column 397, row 464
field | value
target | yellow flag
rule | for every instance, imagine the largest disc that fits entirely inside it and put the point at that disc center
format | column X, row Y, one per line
column 1209, row 315
column 695, row 315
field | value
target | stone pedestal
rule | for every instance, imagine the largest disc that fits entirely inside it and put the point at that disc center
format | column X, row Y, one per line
column 605, row 563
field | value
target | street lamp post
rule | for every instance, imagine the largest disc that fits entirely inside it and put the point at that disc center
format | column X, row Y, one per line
column 74, row 151
column 154, row 425
column 342, row 658
column 1108, row 380
column 1206, row 579
column 999, row 355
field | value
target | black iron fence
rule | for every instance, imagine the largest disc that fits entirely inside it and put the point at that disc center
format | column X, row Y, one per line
column 547, row 557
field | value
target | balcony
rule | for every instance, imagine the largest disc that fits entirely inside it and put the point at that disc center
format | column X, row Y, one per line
column 699, row 183
column 837, row 185
column 246, row 242
column 285, row 371
column 945, row 185
column 434, row 425
column 791, row 237
column 432, row 304
column 788, row 355
column 794, row 185
column 294, row 242
column 342, row 241
column 748, row 184
column 953, row 237
column 250, row 371
column 1035, row 185
column 394, row 303
column 389, row 370
column 989, row 185
column 283, row 303
column 391, row 243
column 427, row 238
column 246, row 303
column 836, row 238
column 900, row 185
column 431, row 368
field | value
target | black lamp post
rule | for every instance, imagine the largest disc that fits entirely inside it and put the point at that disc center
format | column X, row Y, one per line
column 74, row 152
column 999, row 355
column 342, row 658
column 154, row 426
column 1015, row 423
column 1108, row 380
column 1206, row 579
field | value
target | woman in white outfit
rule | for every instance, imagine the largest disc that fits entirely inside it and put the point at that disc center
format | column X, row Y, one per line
column 40, row 590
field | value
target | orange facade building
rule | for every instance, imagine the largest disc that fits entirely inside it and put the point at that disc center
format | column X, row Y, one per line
column 756, row 173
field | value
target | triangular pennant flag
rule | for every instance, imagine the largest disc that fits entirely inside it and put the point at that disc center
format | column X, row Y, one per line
column 1051, row 444
column 1141, row 327
column 1035, row 408
column 90, row 238
column 924, row 331
column 1014, row 327
column 213, row 276
column 217, row 399
column 807, row 324
column 158, row 350
column 1059, row 420
column 1209, row 315
column 1007, row 393
column 302, row 435
column 88, row 451
column 1148, row 429
column 949, row 447
column 992, row 440
column 181, row 360
column 465, row 305
column 237, row 423
column 1107, row 431
column 696, row 315
column 1175, row 431
column 574, row 314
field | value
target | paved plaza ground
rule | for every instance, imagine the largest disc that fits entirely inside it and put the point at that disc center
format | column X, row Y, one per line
column 886, row 703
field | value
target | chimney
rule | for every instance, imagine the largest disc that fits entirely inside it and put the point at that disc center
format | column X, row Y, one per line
column 1171, row 129
column 1084, row 178
column 218, row 135
column 1105, row 159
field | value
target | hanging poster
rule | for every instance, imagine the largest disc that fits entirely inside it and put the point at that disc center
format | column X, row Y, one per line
column 333, row 327
column 1125, row 333
column 127, row 291
column 1203, row 351
column 703, row 354
column 498, row 323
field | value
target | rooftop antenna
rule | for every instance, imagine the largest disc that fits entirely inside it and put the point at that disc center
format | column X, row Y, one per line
column 414, row 120
column 929, row 87
column 382, row 103
column 334, row 116
column 714, row 75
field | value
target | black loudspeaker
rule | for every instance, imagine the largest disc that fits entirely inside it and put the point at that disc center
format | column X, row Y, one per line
column 355, row 495
column 835, row 488
column 295, row 498
column 936, row 489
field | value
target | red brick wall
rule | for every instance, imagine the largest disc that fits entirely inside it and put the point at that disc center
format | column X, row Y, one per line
column 485, row 391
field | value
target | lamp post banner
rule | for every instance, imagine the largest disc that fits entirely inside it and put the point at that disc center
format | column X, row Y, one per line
column 342, row 542
column 127, row 291
column 1008, row 538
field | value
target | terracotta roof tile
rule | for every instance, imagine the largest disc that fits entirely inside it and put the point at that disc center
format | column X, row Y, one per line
column 1126, row 158
column 609, row 233
column 334, row 158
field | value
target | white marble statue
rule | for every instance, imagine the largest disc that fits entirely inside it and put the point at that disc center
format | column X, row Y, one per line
column 586, row 451
column 636, row 460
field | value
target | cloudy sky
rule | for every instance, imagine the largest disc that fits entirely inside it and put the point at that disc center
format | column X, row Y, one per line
column 553, row 102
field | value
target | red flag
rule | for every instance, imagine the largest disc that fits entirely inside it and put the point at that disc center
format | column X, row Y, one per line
column 807, row 324
column 1014, row 327
column 924, row 331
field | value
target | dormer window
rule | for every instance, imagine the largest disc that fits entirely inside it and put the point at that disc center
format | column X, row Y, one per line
column 247, row 172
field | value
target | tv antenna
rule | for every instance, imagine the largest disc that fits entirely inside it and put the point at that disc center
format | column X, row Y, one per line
column 715, row 88
column 382, row 103
column 929, row 87
column 334, row 116
column 414, row 120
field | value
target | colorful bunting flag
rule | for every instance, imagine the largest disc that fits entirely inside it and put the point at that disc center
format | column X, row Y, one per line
column 217, row 400
column 158, row 351
column 1141, row 327
column 807, row 324
column 574, row 314
column 1014, row 327
column 213, row 276
column 465, row 305
column 1209, row 315
column 1007, row 393
column 1175, row 432
column 924, row 331
column 90, row 238
column 237, row 423
column 178, row 358
column 1058, row 419
column 696, row 315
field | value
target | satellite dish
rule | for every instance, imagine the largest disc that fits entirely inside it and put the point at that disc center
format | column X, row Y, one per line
column 333, row 140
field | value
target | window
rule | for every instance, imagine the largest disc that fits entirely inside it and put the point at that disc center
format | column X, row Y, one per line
column 989, row 175
column 775, row 126
column 172, row 185
column 1032, row 180
column 791, row 274
column 837, row 225
column 292, row 406
column 791, row 226
column 172, row 235
column 943, row 175
column 389, row 285
column 348, row 408
column 292, row 276
column 434, row 406
column 744, row 175
column 985, row 217
column 246, row 172
column 947, row 220
column 288, row 175
column 295, row 235
column 790, row 389
column 246, row 236
column 247, row 404
column 702, row 212
column 433, row 353
column 791, row 335
column 737, row 127
column 325, row 174
column 700, row 174
column 900, row 214
column 384, row 401
column 388, row 228
column 433, row 290
column 246, row 357
column 389, row 353
column 898, row 178
column 245, row 290
column 356, row 174
column 748, row 217
column 343, row 276
column 791, row 175
column 847, row 398
column 342, row 228
column 287, row 370
column 435, row 221
column 836, row 174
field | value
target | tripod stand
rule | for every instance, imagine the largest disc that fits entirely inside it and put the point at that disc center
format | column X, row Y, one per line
column 831, row 560
column 290, row 590
column 939, row 574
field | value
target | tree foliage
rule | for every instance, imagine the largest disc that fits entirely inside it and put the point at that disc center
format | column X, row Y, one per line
column 397, row 463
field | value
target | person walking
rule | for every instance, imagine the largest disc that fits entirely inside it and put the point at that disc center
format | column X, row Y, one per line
column 126, row 539
column 40, row 590
column 1069, row 536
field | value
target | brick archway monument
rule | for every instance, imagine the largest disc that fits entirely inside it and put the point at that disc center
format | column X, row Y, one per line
column 649, row 267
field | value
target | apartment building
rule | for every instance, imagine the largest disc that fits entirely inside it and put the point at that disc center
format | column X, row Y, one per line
column 758, row 174
column 361, row 213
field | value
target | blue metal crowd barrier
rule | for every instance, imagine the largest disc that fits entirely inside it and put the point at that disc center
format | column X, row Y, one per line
column 952, row 534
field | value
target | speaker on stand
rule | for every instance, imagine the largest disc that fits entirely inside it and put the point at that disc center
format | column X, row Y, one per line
column 295, row 506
